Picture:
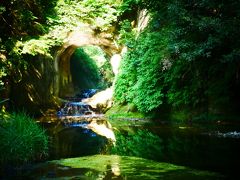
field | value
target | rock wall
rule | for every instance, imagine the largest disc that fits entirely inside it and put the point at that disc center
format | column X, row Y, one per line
column 31, row 90
column 63, row 81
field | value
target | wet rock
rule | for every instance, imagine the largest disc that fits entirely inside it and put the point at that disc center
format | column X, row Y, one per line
column 101, row 101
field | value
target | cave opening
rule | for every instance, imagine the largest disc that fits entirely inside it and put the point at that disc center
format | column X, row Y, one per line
column 81, row 68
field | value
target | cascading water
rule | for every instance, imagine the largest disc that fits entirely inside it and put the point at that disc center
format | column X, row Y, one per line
column 75, row 107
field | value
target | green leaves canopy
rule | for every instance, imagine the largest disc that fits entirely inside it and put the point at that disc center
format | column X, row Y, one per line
column 188, row 56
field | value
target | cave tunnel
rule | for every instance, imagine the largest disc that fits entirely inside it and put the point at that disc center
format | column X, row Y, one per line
column 80, row 68
column 84, row 71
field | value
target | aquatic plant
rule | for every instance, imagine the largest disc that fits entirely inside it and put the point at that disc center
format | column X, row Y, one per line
column 117, row 167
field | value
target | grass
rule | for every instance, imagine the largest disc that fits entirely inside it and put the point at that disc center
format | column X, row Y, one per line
column 22, row 140
column 123, row 112
column 124, row 117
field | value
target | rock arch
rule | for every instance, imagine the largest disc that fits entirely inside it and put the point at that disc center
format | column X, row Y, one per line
column 73, row 41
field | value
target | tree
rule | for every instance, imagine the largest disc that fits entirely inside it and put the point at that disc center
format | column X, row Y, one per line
column 187, row 57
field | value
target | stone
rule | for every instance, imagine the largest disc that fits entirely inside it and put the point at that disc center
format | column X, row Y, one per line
column 101, row 101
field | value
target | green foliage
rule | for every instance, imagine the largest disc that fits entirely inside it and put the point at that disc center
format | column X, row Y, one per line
column 3, row 73
column 22, row 24
column 186, row 57
column 100, row 14
column 2, row 9
column 141, row 144
column 95, row 53
column 37, row 27
column 85, row 72
column 124, row 111
column 22, row 140
column 107, row 74
column 103, row 64
column 20, row 17
column 128, row 5
column 140, row 76
column 126, row 33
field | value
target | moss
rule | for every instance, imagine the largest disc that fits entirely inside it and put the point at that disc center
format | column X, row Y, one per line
column 124, row 111
column 115, row 167
column 180, row 116
column 125, row 117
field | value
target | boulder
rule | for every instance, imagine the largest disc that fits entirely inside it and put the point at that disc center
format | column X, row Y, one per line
column 101, row 101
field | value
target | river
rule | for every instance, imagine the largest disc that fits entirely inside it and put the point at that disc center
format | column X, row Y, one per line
column 142, row 150
column 86, row 145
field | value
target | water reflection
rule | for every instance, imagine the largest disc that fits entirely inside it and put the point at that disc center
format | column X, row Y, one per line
column 77, row 141
column 79, row 137
column 196, row 147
